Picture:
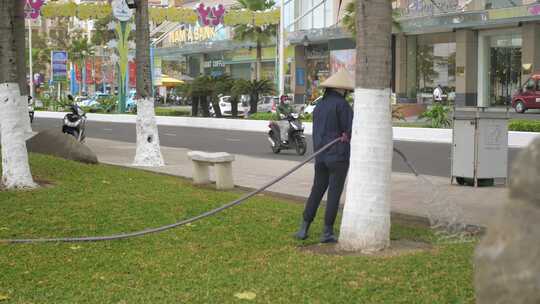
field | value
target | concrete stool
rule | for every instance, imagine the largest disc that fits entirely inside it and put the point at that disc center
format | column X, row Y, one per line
column 222, row 163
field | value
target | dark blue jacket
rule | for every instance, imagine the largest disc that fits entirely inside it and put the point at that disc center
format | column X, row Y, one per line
column 332, row 117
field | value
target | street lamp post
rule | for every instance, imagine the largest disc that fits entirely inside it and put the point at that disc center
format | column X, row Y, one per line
column 282, row 48
column 30, row 61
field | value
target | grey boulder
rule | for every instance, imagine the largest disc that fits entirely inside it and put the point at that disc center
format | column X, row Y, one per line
column 507, row 260
column 54, row 142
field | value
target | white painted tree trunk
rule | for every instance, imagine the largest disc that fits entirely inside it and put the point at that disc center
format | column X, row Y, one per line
column 148, row 152
column 15, row 168
column 365, row 224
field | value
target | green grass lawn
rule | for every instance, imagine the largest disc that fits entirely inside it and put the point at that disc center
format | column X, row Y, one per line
column 245, row 249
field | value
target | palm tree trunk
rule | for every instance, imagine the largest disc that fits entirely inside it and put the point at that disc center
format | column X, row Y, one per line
column 148, row 151
column 259, row 61
column 366, row 216
column 15, row 168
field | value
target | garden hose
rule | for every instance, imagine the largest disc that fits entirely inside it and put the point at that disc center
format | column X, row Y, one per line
column 186, row 221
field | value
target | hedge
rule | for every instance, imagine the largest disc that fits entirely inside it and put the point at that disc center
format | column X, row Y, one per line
column 524, row 125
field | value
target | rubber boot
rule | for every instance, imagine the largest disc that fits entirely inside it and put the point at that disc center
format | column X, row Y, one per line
column 328, row 235
column 302, row 232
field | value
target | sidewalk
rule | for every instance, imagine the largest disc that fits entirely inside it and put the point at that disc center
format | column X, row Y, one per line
column 409, row 194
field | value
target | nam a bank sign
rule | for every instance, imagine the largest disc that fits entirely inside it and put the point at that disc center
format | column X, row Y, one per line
column 194, row 34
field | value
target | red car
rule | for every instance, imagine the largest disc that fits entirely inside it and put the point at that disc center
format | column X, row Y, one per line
column 528, row 97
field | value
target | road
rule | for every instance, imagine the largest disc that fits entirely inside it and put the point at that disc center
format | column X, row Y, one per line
column 428, row 158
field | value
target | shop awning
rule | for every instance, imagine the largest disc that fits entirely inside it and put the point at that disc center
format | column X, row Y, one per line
column 169, row 81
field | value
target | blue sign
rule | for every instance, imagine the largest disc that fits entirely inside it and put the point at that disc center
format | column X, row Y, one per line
column 59, row 65
column 300, row 77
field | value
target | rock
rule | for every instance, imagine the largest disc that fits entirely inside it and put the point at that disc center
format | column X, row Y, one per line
column 507, row 260
column 56, row 143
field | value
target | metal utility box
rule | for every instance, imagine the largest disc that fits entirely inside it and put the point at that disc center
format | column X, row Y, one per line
column 479, row 145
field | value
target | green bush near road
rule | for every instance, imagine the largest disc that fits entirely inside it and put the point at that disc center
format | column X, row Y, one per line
column 524, row 125
column 438, row 116
column 172, row 112
column 273, row 116
column 245, row 249
column 262, row 116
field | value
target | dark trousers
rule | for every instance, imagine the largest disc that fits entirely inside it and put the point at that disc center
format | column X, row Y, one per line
column 331, row 176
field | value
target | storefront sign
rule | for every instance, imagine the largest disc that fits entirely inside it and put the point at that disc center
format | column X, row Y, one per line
column 210, row 16
column 32, row 8
column 59, row 65
column 300, row 77
column 192, row 35
column 513, row 12
column 343, row 60
column 317, row 52
column 428, row 7
column 214, row 64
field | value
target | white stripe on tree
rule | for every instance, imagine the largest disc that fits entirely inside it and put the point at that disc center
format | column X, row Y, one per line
column 365, row 224
column 15, row 168
column 148, row 152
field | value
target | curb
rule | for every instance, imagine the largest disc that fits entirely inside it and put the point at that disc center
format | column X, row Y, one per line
column 444, row 136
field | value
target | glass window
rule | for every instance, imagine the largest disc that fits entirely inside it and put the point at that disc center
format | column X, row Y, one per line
column 436, row 65
column 504, row 67
column 318, row 15
column 530, row 85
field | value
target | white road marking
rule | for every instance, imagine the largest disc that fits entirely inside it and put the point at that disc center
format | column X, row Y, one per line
column 169, row 134
column 232, row 139
column 107, row 129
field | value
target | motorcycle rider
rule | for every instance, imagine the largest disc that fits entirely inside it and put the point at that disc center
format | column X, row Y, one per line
column 283, row 110
column 332, row 118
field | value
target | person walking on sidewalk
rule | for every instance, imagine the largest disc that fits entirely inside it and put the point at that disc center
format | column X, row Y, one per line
column 332, row 118
column 438, row 94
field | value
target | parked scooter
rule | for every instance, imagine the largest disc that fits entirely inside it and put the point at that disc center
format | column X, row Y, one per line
column 31, row 109
column 296, row 138
column 75, row 123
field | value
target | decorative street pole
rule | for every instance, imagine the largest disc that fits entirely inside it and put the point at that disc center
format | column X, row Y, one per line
column 123, row 14
column 282, row 48
column 31, row 12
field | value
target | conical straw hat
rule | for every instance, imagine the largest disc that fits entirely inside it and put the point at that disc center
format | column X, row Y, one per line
column 340, row 80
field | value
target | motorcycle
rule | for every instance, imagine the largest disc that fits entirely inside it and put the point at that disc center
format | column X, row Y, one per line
column 75, row 123
column 296, row 138
column 31, row 113
column 30, row 109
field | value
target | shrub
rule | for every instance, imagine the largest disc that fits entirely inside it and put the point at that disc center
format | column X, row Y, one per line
column 524, row 125
column 263, row 116
column 438, row 116
column 172, row 112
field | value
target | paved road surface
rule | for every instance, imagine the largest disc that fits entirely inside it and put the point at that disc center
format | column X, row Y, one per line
column 429, row 158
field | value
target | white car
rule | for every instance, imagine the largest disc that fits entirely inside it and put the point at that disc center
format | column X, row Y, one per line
column 267, row 104
column 226, row 108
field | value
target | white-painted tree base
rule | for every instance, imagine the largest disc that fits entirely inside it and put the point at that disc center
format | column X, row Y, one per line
column 148, row 152
column 15, row 168
column 365, row 223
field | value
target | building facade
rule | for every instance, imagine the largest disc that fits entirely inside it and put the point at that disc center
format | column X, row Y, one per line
column 479, row 51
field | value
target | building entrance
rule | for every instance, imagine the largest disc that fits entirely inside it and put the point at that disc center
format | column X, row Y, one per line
column 505, row 74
